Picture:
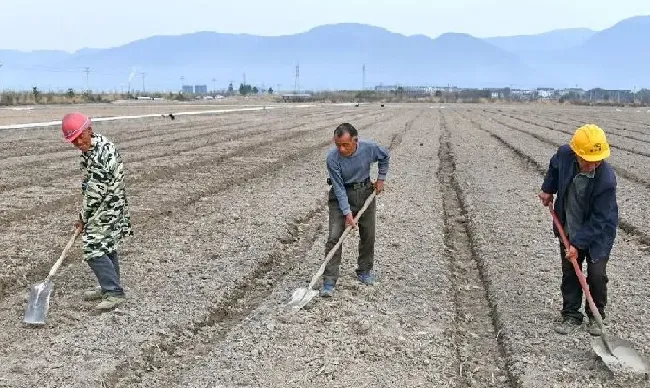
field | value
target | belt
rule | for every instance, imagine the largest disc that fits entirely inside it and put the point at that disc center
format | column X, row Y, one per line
column 357, row 185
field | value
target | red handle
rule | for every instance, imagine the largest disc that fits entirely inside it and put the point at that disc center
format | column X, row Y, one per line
column 559, row 227
column 581, row 276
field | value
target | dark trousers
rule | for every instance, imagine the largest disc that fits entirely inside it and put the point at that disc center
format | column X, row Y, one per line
column 356, row 198
column 107, row 270
column 571, row 290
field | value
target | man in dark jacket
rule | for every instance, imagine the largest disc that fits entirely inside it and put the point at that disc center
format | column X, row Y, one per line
column 586, row 205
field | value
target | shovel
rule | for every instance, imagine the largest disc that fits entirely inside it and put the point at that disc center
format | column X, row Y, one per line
column 302, row 296
column 612, row 350
column 39, row 294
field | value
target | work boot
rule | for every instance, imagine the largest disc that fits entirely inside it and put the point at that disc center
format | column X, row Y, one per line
column 95, row 294
column 327, row 290
column 567, row 326
column 593, row 328
column 367, row 278
column 110, row 302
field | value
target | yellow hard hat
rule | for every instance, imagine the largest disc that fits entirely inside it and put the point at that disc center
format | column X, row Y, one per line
column 589, row 143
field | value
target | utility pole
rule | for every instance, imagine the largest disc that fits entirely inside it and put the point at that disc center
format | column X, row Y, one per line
column 87, row 71
column 182, row 83
column 214, row 86
column 143, row 75
column 296, row 85
column 244, row 79
column 363, row 79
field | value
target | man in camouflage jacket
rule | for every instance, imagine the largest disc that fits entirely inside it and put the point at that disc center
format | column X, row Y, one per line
column 104, row 217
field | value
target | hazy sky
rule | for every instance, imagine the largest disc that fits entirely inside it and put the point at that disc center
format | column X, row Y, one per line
column 73, row 24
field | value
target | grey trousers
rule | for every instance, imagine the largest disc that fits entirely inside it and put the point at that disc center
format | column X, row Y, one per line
column 356, row 197
column 107, row 270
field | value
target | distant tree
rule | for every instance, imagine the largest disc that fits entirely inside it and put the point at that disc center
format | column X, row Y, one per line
column 231, row 90
column 242, row 89
column 438, row 93
column 70, row 93
column 36, row 93
column 270, row 90
column 255, row 90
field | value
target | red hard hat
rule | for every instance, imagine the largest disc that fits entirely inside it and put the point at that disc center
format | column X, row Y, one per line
column 73, row 124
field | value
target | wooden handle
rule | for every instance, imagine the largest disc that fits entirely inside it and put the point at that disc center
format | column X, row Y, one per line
column 56, row 265
column 347, row 231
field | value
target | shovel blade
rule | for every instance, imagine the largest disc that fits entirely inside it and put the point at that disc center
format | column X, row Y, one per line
column 300, row 297
column 623, row 355
column 38, row 303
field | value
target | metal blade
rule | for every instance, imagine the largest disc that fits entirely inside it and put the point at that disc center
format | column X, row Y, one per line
column 300, row 297
column 623, row 355
column 38, row 303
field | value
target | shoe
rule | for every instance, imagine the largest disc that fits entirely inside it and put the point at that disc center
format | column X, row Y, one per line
column 567, row 326
column 95, row 294
column 593, row 329
column 110, row 302
column 366, row 278
column 327, row 290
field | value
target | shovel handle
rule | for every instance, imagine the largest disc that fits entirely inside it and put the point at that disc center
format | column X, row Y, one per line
column 347, row 231
column 56, row 265
column 581, row 276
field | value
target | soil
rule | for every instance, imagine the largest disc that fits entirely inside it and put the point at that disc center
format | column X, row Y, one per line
column 230, row 216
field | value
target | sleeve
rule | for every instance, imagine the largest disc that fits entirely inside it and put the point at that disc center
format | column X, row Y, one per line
column 99, row 175
column 604, row 214
column 382, row 157
column 550, row 183
column 338, row 186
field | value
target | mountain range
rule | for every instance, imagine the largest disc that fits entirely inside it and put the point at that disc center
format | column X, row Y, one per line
column 332, row 56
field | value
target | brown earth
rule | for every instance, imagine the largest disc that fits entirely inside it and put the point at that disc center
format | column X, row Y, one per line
column 229, row 213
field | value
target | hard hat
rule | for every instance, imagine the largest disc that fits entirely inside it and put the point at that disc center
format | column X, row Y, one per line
column 73, row 124
column 589, row 143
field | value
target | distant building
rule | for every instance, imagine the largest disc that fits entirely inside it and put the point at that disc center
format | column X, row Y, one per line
column 413, row 90
column 296, row 97
column 201, row 89
column 188, row 89
column 545, row 93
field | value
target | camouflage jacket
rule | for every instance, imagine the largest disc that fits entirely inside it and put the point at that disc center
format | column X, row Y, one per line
column 105, row 210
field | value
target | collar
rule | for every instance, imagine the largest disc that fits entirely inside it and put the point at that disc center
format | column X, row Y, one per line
column 590, row 174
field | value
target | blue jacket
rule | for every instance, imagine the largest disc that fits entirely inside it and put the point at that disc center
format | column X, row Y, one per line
column 599, row 230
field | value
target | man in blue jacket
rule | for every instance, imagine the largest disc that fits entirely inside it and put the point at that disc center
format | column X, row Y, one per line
column 348, row 165
column 586, row 205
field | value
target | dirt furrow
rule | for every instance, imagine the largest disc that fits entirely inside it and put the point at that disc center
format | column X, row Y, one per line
column 201, row 137
column 144, row 214
column 575, row 119
column 624, row 172
column 632, row 227
column 246, row 296
column 206, row 248
column 513, row 234
column 148, row 174
column 571, row 132
column 481, row 357
column 605, row 123
column 49, row 144
column 174, row 159
column 346, row 341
